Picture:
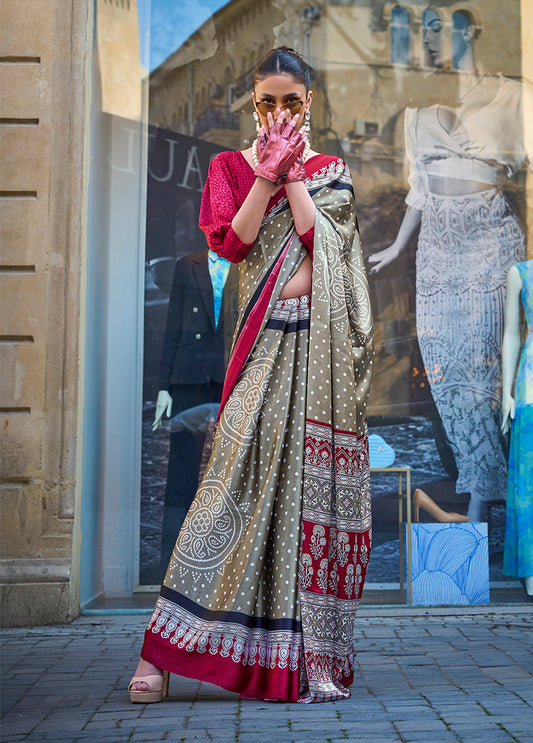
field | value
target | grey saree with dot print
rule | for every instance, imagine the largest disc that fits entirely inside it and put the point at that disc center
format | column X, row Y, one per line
column 261, row 592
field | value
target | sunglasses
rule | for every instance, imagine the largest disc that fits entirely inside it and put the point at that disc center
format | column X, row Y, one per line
column 294, row 106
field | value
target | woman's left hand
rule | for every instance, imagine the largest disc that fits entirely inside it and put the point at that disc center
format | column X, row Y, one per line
column 297, row 170
column 283, row 145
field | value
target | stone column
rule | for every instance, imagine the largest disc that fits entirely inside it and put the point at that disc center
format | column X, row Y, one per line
column 44, row 127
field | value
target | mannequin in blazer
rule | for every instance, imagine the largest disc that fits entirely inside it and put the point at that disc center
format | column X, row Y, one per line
column 193, row 365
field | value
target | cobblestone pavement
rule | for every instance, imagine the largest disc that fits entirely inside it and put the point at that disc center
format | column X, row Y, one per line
column 421, row 675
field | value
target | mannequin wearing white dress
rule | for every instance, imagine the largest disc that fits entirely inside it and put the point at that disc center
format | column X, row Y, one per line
column 469, row 237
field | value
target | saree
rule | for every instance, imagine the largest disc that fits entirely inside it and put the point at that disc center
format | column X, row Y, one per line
column 262, row 589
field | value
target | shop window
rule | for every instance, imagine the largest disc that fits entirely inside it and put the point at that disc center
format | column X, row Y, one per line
column 374, row 117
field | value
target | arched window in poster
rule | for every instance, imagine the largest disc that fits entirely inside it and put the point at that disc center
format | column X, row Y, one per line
column 400, row 36
column 462, row 40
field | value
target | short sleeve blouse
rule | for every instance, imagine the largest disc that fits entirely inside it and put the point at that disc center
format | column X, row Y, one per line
column 486, row 142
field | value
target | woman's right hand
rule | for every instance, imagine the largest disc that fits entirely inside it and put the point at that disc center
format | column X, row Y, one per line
column 383, row 257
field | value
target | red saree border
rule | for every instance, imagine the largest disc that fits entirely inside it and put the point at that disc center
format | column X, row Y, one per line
column 256, row 663
column 255, row 682
column 335, row 549
column 336, row 563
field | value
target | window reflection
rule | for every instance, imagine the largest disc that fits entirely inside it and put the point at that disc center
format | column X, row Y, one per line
column 200, row 105
column 400, row 36
column 462, row 41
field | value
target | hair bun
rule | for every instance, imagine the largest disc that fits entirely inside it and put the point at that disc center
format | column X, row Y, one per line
column 288, row 49
column 283, row 60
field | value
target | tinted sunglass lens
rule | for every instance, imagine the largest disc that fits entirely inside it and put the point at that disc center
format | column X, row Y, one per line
column 264, row 107
column 294, row 106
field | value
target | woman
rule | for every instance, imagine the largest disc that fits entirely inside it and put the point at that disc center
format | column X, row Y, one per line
column 264, row 581
column 469, row 237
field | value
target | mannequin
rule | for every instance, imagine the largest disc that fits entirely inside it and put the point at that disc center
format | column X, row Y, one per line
column 517, row 414
column 469, row 238
column 199, row 324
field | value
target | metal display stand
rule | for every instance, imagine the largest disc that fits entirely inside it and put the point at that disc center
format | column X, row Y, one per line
column 403, row 493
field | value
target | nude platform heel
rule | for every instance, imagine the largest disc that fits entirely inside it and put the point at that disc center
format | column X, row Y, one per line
column 422, row 500
column 158, row 688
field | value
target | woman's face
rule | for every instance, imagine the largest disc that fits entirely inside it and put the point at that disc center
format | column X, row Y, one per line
column 431, row 36
column 276, row 93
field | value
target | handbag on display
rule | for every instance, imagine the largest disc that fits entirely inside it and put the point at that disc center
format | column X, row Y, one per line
column 380, row 453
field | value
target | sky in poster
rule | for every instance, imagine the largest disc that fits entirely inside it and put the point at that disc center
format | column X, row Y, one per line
column 165, row 24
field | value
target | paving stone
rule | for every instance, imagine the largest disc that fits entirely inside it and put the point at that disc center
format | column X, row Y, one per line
column 416, row 676
column 441, row 737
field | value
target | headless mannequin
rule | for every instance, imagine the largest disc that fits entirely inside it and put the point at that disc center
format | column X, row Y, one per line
column 476, row 89
column 510, row 354
column 164, row 398
column 190, row 376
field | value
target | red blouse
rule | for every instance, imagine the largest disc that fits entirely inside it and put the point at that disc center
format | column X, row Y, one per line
column 228, row 183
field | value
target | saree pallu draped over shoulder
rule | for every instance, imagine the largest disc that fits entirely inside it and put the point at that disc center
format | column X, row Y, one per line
column 261, row 592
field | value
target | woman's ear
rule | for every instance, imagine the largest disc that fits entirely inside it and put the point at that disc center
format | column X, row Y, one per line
column 309, row 99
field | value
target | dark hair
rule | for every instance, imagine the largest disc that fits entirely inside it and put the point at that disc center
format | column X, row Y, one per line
column 283, row 61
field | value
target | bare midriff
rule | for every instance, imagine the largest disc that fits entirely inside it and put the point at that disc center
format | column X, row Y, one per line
column 455, row 186
column 301, row 282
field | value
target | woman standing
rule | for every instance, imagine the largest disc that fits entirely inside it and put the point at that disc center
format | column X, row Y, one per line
column 262, row 588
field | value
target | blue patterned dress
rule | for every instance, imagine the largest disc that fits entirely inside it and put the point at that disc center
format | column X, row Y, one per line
column 518, row 553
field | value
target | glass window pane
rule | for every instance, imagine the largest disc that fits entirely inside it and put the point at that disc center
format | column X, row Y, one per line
column 437, row 152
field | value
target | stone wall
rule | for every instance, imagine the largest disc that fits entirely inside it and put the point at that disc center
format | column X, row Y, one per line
column 44, row 53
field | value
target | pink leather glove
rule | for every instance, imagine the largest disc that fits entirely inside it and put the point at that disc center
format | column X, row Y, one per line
column 297, row 170
column 281, row 149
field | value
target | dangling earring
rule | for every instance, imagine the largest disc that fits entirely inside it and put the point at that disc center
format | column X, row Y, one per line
column 255, row 146
column 307, row 128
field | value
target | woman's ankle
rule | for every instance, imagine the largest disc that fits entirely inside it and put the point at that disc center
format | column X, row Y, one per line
column 145, row 668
